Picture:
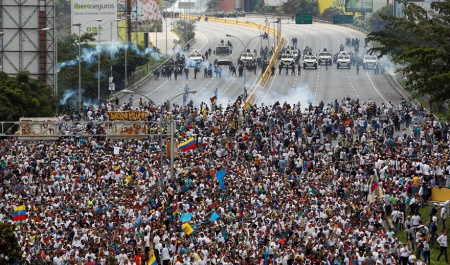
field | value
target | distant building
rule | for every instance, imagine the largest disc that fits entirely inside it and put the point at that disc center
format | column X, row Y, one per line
column 236, row 5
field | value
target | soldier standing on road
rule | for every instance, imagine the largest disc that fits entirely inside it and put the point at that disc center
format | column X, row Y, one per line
column 326, row 64
column 195, row 72
column 299, row 69
column 169, row 73
column 186, row 72
column 272, row 70
column 233, row 69
column 280, row 67
column 130, row 100
column 287, row 69
column 293, row 68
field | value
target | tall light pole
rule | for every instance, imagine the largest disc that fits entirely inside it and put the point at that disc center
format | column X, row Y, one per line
column 111, row 28
column 23, row 67
column 79, row 66
column 1, row 35
column 55, row 67
column 79, row 25
column 99, row 57
column 245, row 50
column 259, row 29
column 126, row 65
column 127, row 91
column 172, row 131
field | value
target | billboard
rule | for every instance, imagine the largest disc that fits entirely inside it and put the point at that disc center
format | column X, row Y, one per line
column 86, row 12
column 39, row 128
column 274, row 2
column 186, row 5
column 358, row 5
column 127, row 124
column 146, row 10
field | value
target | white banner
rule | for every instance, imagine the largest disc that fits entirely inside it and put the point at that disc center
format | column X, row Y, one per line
column 146, row 10
column 86, row 12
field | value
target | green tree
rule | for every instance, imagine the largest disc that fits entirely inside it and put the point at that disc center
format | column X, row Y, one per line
column 420, row 45
column 300, row 6
column 185, row 28
column 212, row 5
column 330, row 12
column 8, row 245
column 22, row 96
column 62, row 14
column 376, row 21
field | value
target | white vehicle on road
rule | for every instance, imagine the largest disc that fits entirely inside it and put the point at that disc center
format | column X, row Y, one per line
column 195, row 57
column 310, row 61
column 247, row 56
column 287, row 58
column 223, row 54
column 370, row 61
column 324, row 56
column 343, row 60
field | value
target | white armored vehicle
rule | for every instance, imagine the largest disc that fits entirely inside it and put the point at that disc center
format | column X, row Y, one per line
column 325, row 56
column 195, row 57
column 370, row 61
column 287, row 58
column 247, row 56
column 223, row 54
column 343, row 60
column 309, row 61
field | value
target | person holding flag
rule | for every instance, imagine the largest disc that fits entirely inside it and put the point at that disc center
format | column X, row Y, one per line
column 19, row 213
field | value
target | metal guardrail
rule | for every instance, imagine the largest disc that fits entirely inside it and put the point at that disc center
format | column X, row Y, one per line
column 51, row 130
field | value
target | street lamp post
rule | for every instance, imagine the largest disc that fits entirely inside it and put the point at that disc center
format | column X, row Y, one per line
column 99, row 57
column 55, row 68
column 245, row 50
column 79, row 25
column 127, row 91
column 111, row 27
column 1, row 35
column 22, row 65
column 259, row 29
column 172, row 131
column 79, row 66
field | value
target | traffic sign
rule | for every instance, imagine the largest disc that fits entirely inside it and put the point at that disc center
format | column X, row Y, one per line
column 342, row 19
column 303, row 18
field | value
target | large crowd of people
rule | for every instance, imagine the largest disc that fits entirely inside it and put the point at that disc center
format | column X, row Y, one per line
column 326, row 184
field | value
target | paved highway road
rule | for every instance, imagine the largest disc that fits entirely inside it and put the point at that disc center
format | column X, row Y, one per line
column 311, row 87
column 209, row 35
column 325, row 84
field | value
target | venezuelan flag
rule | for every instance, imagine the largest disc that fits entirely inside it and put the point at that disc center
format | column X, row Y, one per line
column 19, row 213
column 374, row 186
column 152, row 260
column 188, row 145
column 213, row 100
